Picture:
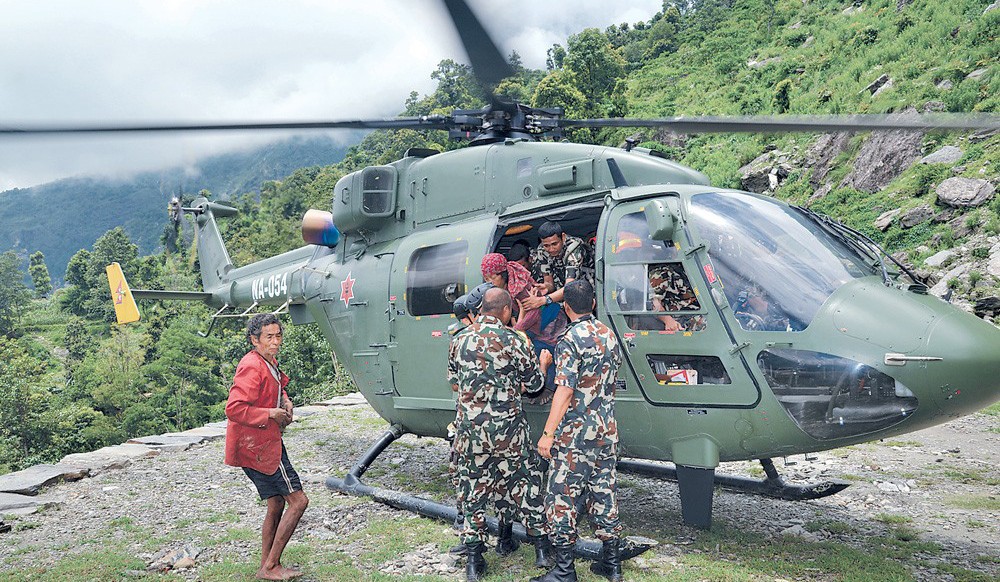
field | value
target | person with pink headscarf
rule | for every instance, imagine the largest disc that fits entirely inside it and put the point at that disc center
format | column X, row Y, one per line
column 517, row 281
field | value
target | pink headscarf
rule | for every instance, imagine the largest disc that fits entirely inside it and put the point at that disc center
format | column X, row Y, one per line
column 518, row 278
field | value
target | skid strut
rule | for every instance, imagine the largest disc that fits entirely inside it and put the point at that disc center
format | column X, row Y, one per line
column 352, row 484
column 772, row 486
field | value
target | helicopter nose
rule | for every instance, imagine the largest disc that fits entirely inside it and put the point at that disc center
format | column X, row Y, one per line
column 967, row 377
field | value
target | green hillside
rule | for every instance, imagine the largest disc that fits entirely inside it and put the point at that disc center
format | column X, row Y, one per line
column 699, row 57
column 63, row 217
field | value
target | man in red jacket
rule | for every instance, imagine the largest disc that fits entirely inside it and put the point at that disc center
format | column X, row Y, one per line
column 258, row 410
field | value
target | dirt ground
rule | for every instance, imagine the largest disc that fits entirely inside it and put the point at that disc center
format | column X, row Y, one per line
column 925, row 506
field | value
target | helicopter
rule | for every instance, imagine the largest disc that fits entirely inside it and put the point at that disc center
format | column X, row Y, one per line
column 802, row 334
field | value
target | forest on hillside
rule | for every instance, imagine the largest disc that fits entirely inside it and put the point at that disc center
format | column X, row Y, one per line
column 75, row 382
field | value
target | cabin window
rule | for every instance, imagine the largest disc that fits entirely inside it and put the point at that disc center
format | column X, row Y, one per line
column 682, row 370
column 435, row 277
column 649, row 283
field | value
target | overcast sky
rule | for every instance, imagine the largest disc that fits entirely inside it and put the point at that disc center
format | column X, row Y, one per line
column 102, row 61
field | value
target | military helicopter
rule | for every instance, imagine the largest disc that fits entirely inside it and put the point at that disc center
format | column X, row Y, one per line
column 801, row 334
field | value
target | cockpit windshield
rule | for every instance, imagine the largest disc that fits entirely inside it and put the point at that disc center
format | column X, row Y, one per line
column 776, row 264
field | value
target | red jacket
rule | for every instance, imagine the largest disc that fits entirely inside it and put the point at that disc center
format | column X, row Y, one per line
column 252, row 439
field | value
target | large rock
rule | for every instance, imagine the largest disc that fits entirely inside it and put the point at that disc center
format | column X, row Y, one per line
column 965, row 192
column 14, row 504
column 977, row 73
column 939, row 258
column 352, row 399
column 875, row 86
column 765, row 172
column 169, row 442
column 31, row 480
column 941, row 287
column 116, row 457
column 915, row 216
column 207, row 433
column 945, row 155
column 884, row 220
column 883, row 156
column 821, row 154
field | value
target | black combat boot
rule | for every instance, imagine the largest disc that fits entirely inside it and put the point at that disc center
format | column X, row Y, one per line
column 564, row 571
column 609, row 564
column 506, row 544
column 544, row 555
column 459, row 550
column 475, row 563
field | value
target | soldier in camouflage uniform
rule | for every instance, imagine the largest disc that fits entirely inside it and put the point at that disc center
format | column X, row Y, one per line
column 489, row 366
column 671, row 291
column 581, row 439
column 466, row 309
column 560, row 259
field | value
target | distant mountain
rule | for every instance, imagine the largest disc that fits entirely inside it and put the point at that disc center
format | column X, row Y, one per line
column 62, row 217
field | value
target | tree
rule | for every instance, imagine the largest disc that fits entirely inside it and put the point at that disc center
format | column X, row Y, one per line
column 115, row 375
column 595, row 65
column 554, row 57
column 14, row 294
column 40, row 279
column 782, row 101
column 558, row 89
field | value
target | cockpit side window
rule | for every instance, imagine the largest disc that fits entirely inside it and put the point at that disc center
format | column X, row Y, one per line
column 777, row 266
column 650, row 285
column 435, row 277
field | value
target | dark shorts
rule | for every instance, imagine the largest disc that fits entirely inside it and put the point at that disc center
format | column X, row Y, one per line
column 283, row 482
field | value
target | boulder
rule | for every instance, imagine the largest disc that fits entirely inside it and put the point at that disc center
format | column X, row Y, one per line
column 964, row 192
column 207, row 433
column 116, row 457
column 945, row 155
column 820, row 193
column 822, row 152
column 753, row 64
column 977, row 73
column 939, row 258
column 883, row 156
column 352, row 399
column 882, row 88
column 991, row 7
column 941, row 287
column 884, row 220
column 14, row 504
column 945, row 85
column 875, row 86
column 765, row 172
column 993, row 266
column 31, row 480
column 915, row 216
column 169, row 442
column 987, row 306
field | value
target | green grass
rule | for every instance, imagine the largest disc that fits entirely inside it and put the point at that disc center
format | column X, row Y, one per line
column 893, row 519
column 982, row 502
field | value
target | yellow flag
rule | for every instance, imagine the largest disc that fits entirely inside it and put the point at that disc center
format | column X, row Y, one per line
column 125, row 308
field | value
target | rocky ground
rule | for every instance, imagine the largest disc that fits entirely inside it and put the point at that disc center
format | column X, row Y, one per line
column 923, row 507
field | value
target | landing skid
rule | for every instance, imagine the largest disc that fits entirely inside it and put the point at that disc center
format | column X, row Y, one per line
column 696, row 486
column 352, row 484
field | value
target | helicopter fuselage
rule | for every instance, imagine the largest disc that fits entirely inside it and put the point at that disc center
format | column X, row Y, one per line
column 797, row 338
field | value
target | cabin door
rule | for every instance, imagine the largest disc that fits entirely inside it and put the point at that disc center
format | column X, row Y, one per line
column 429, row 271
column 657, row 296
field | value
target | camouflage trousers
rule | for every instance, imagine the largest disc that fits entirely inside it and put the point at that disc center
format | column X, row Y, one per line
column 513, row 484
column 582, row 476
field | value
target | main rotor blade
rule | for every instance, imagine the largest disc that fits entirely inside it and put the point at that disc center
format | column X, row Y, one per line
column 433, row 122
column 488, row 63
column 806, row 123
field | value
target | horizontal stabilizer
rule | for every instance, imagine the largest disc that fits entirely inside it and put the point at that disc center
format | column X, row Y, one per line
column 179, row 295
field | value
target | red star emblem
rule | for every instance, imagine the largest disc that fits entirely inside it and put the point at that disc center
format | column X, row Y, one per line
column 120, row 293
column 347, row 290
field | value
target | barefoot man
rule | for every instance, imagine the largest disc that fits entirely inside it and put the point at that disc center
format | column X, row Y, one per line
column 258, row 410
